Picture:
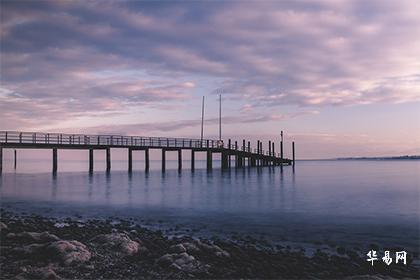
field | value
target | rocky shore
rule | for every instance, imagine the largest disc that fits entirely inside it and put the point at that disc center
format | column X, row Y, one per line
column 35, row 247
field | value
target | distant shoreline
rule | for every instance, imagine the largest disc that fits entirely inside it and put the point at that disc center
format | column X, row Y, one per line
column 416, row 157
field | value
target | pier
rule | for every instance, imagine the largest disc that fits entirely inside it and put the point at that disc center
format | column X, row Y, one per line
column 243, row 154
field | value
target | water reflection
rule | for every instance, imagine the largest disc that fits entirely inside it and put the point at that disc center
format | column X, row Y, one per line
column 313, row 194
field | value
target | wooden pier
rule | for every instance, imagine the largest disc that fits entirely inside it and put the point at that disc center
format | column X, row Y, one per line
column 244, row 155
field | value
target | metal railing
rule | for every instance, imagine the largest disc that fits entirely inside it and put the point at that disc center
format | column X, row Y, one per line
column 105, row 140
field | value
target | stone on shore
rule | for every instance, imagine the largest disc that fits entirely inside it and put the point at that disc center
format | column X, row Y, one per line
column 120, row 242
column 68, row 252
column 197, row 247
column 180, row 261
column 3, row 226
column 38, row 237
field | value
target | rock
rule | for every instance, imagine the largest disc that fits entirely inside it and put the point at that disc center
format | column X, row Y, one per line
column 178, row 248
column 191, row 248
column 211, row 249
column 120, row 242
column 29, row 250
column 68, row 252
column 181, row 261
column 48, row 274
column 42, row 237
column 3, row 226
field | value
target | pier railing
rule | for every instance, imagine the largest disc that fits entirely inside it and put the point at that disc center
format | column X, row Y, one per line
column 107, row 140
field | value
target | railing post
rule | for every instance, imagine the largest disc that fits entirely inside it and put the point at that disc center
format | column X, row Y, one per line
column 229, row 144
column 6, row 136
column 20, row 137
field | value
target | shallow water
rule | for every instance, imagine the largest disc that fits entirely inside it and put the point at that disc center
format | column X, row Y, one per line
column 340, row 203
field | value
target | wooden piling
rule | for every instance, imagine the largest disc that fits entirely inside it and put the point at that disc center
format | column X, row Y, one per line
column 269, row 148
column 54, row 168
column 243, row 145
column 163, row 159
column 272, row 149
column 293, row 152
column 1, row 159
column 281, row 151
column 90, row 160
column 146, row 160
column 15, row 158
column 209, row 160
column 180, row 159
column 130, row 160
column 108, row 159
column 229, row 144
column 192, row 159
column 225, row 160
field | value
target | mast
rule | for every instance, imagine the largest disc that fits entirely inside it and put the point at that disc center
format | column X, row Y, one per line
column 202, row 119
column 220, row 117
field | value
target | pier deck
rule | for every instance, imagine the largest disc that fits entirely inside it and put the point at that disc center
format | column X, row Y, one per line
column 56, row 141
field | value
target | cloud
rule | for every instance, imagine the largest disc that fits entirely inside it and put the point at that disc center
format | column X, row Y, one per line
column 170, row 126
column 266, row 55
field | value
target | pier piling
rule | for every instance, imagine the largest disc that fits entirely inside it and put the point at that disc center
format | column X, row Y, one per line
column 15, row 159
column 146, row 160
column 209, row 160
column 293, row 152
column 179, row 159
column 1, row 159
column 192, row 159
column 90, row 160
column 108, row 159
column 163, row 159
column 130, row 160
column 54, row 168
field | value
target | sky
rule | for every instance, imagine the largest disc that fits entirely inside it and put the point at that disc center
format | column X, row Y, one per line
column 341, row 78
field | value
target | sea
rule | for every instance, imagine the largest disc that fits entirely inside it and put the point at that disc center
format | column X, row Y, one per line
column 319, row 203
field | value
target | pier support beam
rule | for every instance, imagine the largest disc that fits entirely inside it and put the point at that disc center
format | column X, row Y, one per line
column 192, row 159
column 90, row 160
column 1, row 159
column 146, row 160
column 130, row 160
column 15, row 158
column 281, row 151
column 225, row 160
column 179, row 159
column 293, row 152
column 108, row 159
column 209, row 160
column 54, row 168
column 163, row 159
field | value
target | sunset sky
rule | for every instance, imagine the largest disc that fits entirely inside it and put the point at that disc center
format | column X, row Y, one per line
column 341, row 78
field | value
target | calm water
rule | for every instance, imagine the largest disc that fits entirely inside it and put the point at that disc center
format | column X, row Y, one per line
column 348, row 203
